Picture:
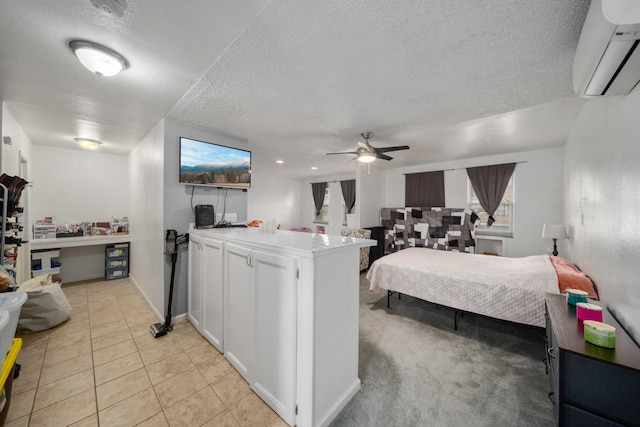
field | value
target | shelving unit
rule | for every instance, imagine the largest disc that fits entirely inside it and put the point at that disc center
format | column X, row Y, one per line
column 46, row 260
column 10, row 224
column 44, row 231
column 116, row 261
column 5, row 200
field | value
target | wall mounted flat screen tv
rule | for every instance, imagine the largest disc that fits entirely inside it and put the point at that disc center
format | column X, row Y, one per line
column 208, row 164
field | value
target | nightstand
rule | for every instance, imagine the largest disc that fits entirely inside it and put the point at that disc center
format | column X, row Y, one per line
column 590, row 385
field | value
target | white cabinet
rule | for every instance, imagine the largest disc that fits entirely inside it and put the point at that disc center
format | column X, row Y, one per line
column 290, row 315
column 212, row 292
column 194, row 287
column 274, row 342
column 238, row 321
column 205, row 306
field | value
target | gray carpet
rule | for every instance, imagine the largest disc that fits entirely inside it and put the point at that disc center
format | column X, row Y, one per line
column 417, row 370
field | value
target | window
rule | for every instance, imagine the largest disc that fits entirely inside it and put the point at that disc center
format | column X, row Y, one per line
column 324, row 211
column 503, row 226
column 344, row 212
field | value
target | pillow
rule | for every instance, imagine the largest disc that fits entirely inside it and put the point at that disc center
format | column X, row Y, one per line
column 570, row 277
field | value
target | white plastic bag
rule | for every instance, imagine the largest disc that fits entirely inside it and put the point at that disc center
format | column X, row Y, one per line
column 46, row 307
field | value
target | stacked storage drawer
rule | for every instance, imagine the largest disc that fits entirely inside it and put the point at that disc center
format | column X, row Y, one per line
column 116, row 261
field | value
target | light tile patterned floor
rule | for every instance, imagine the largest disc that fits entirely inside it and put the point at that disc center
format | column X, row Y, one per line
column 102, row 367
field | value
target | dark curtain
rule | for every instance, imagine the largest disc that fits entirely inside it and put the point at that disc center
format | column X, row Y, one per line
column 489, row 183
column 424, row 189
column 349, row 193
column 318, row 189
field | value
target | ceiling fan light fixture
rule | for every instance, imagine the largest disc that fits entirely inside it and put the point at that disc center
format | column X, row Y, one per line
column 366, row 157
column 98, row 59
column 89, row 144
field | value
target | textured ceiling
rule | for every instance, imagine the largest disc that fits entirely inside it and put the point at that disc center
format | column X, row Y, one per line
column 300, row 78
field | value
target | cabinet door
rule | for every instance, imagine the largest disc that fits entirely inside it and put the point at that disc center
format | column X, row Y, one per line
column 238, row 313
column 212, row 292
column 194, row 287
column 274, row 365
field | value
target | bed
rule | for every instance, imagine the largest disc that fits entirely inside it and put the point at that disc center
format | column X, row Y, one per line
column 510, row 289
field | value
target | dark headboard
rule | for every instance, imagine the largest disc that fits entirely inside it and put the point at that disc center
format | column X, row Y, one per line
column 449, row 229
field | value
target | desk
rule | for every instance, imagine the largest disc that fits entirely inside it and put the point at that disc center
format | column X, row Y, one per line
column 82, row 257
column 73, row 242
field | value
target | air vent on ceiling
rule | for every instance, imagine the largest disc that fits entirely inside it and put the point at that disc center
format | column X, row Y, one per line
column 111, row 7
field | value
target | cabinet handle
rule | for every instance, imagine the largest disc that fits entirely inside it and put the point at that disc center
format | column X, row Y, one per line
column 552, row 352
column 551, row 398
column 249, row 260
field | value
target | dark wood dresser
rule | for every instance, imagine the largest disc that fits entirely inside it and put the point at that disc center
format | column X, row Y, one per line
column 377, row 251
column 590, row 385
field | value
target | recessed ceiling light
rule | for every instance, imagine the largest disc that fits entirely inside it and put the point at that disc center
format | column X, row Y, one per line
column 314, row 168
column 89, row 144
column 279, row 162
column 98, row 59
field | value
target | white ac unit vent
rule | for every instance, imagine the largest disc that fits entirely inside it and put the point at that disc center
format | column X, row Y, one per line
column 607, row 60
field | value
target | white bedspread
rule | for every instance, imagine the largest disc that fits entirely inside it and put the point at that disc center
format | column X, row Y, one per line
column 504, row 288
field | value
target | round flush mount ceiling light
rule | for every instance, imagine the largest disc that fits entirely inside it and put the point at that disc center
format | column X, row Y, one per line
column 89, row 144
column 98, row 59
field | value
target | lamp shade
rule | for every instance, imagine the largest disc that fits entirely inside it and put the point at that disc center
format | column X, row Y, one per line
column 554, row 231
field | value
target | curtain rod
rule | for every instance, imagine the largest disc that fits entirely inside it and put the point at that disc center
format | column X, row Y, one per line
column 456, row 169
column 320, row 182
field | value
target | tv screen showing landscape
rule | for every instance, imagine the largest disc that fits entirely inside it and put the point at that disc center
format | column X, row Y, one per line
column 205, row 163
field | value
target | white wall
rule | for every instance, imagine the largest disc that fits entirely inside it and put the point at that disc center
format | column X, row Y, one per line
column 178, row 201
column 370, row 190
column 21, row 144
column 16, row 160
column 538, row 194
column 602, row 172
column 275, row 197
column 146, row 195
column 307, row 207
column 76, row 186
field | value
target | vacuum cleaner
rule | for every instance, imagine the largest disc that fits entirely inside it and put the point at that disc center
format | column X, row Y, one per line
column 172, row 241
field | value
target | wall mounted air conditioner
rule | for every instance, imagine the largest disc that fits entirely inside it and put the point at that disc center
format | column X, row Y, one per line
column 607, row 60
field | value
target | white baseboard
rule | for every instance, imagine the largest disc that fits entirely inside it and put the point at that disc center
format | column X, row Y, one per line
column 176, row 319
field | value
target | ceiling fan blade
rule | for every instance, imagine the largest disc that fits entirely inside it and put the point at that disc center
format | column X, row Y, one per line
column 384, row 157
column 387, row 149
column 346, row 152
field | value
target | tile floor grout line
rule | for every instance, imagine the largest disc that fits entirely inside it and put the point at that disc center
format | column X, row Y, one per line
column 93, row 363
column 185, row 338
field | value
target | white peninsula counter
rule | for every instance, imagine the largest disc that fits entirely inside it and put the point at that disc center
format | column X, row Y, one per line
column 283, row 308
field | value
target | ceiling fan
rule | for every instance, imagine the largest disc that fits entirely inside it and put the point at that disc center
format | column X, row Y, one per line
column 367, row 153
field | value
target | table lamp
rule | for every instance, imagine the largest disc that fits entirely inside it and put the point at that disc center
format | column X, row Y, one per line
column 555, row 232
